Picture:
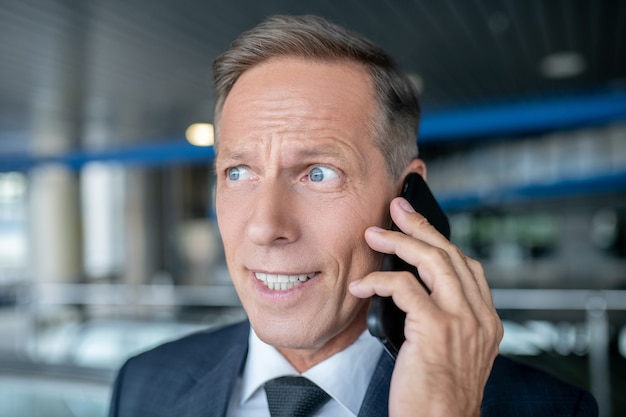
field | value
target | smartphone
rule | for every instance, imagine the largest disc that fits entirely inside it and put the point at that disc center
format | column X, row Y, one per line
column 384, row 319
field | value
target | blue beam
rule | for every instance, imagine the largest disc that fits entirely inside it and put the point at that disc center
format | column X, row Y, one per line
column 515, row 118
column 167, row 152
column 585, row 186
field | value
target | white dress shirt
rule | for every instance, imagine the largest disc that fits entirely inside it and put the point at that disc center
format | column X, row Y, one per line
column 345, row 376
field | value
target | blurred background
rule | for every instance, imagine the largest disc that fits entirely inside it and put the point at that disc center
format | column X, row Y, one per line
column 108, row 241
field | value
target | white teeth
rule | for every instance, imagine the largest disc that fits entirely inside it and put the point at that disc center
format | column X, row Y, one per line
column 282, row 282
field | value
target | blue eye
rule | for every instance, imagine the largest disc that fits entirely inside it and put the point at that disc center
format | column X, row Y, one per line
column 319, row 174
column 316, row 174
column 237, row 173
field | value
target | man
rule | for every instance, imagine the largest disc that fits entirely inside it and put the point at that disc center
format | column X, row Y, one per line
column 316, row 131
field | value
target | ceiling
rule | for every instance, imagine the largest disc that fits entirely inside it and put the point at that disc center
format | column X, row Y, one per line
column 78, row 74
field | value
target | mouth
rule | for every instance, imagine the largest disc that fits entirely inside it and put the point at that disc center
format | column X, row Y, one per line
column 283, row 282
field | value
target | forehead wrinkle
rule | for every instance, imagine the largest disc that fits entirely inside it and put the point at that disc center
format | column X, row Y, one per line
column 276, row 124
column 283, row 113
column 322, row 152
column 326, row 150
column 244, row 147
column 300, row 150
column 294, row 116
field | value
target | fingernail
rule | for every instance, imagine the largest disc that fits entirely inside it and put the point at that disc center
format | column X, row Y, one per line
column 355, row 283
column 376, row 229
column 355, row 289
column 406, row 206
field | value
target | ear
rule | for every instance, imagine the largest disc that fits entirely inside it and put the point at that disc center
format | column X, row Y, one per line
column 416, row 165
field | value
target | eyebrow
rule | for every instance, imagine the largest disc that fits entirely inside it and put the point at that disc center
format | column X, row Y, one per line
column 326, row 151
column 330, row 150
column 228, row 155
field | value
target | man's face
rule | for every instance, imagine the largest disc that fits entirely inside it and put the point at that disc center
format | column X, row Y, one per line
column 299, row 181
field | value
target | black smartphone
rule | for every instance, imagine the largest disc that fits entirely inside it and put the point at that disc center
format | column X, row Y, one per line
column 384, row 319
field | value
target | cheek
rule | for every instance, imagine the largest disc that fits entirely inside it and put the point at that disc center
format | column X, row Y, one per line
column 342, row 232
column 371, row 209
column 229, row 207
column 229, row 221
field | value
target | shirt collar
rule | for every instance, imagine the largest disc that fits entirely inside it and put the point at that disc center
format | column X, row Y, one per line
column 345, row 376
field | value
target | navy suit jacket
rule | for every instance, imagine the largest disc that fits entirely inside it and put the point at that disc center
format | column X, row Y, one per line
column 195, row 376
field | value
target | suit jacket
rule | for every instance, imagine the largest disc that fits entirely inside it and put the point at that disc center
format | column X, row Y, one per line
column 195, row 376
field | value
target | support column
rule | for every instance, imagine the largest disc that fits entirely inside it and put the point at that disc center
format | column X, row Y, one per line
column 55, row 225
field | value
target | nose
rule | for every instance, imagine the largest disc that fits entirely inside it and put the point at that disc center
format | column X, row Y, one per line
column 274, row 216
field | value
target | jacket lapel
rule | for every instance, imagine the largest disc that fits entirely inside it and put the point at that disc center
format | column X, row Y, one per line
column 211, row 387
column 376, row 401
column 209, row 395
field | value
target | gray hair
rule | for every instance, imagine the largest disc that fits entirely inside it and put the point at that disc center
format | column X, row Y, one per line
column 314, row 38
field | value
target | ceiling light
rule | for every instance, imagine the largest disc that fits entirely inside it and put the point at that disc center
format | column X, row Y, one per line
column 562, row 65
column 200, row 134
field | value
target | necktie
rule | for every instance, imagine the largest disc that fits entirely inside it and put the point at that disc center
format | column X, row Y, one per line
column 294, row 396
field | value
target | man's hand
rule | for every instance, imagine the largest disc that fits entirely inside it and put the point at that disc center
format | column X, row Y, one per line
column 452, row 335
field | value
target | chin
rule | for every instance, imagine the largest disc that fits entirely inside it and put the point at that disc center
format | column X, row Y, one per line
column 288, row 334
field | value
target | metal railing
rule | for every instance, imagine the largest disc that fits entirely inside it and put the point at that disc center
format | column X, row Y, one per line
column 593, row 306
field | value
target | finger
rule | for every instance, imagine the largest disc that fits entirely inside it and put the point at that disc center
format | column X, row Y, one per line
column 417, row 226
column 401, row 286
column 460, row 296
column 410, row 297
column 434, row 265
column 481, row 280
column 472, row 279
column 474, row 302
